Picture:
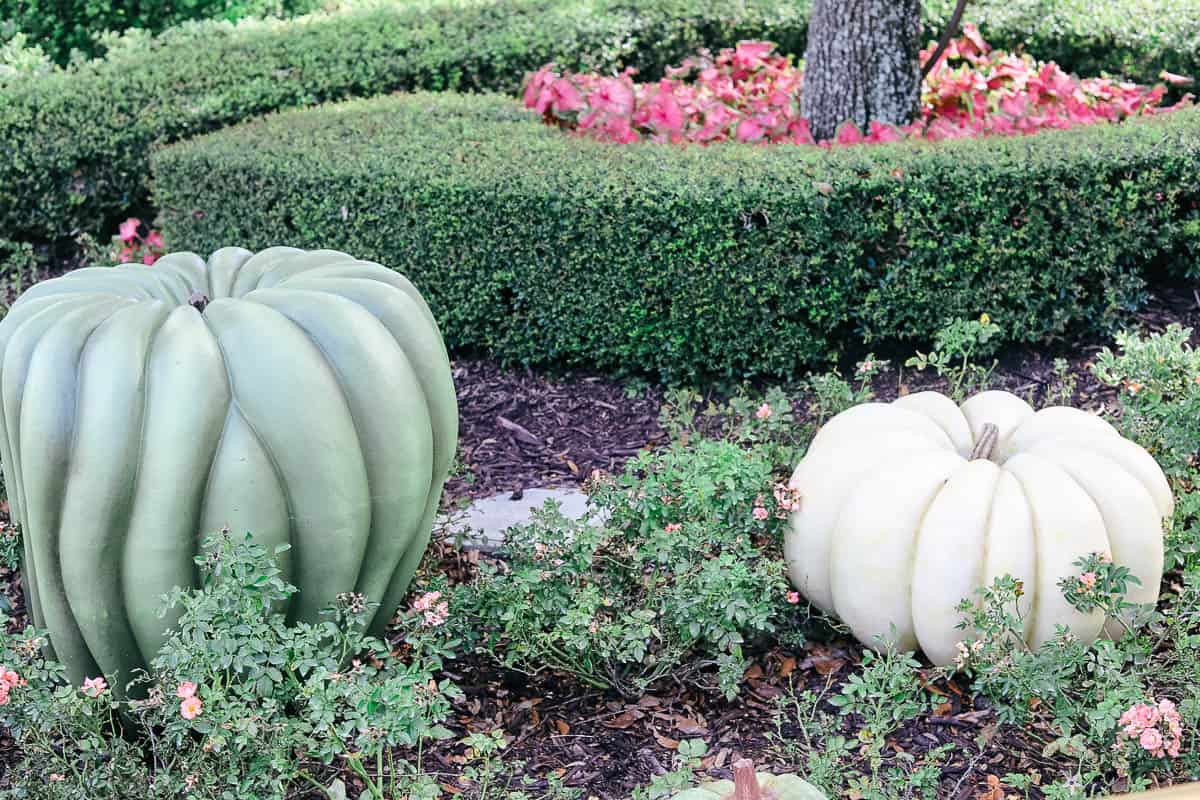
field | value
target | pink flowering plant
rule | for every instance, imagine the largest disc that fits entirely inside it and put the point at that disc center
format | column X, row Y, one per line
column 136, row 242
column 751, row 94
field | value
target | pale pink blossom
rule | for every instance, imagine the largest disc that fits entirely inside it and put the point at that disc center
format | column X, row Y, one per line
column 763, row 412
column 191, row 708
column 185, row 690
column 761, row 513
column 673, row 527
column 793, row 597
column 94, row 687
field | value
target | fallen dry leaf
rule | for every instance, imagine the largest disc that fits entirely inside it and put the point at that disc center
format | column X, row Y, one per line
column 563, row 727
column 994, row 790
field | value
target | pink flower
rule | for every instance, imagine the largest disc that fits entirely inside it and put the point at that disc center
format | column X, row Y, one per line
column 57, row 777
column 793, row 597
column 763, row 412
column 185, row 690
column 4, row 690
column 191, row 708
column 94, row 687
column 437, row 615
column 10, row 678
column 761, row 513
column 673, row 527
column 127, row 230
column 155, row 239
column 1151, row 740
column 1088, row 579
column 427, row 600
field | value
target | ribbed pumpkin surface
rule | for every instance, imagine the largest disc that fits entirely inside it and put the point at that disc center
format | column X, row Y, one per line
column 309, row 402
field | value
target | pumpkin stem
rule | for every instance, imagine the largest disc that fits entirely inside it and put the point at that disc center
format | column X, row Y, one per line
column 198, row 301
column 745, row 782
column 986, row 443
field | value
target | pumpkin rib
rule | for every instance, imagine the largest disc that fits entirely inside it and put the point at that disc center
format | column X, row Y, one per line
column 1035, row 473
column 223, row 266
column 950, row 556
column 189, row 267
column 323, row 469
column 50, row 427
column 187, row 403
column 104, row 457
column 1006, row 554
column 372, row 390
column 260, row 531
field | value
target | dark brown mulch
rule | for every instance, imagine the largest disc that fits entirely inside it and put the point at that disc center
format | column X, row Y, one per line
column 520, row 430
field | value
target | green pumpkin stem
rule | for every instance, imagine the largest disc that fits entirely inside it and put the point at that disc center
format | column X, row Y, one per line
column 989, row 436
column 745, row 782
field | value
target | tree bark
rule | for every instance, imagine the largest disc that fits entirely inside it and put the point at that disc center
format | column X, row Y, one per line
column 861, row 63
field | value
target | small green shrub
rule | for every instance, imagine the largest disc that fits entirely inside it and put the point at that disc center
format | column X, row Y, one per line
column 63, row 26
column 240, row 703
column 731, row 261
column 676, row 571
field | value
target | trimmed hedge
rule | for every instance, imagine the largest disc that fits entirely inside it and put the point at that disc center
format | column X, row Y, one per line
column 731, row 260
column 74, row 145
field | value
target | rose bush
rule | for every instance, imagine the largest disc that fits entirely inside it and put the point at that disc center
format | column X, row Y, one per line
column 750, row 93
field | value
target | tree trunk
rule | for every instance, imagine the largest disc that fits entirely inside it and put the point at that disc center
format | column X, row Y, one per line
column 861, row 63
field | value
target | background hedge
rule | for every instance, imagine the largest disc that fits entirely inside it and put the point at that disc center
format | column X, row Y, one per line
column 74, row 145
column 730, row 260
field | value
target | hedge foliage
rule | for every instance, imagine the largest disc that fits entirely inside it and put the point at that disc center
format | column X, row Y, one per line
column 74, row 145
column 62, row 26
column 731, row 260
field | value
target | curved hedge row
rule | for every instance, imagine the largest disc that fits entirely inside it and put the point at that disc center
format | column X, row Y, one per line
column 74, row 145
column 729, row 260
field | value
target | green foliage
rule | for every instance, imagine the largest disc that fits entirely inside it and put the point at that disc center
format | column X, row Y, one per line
column 77, row 143
column 955, row 348
column 63, row 26
column 884, row 694
column 263, row 693
column 1159, row 380
column 672, row 575
column 727, row 260
column 682, row 776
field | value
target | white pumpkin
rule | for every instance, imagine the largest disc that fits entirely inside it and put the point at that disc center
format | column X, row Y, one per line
column 908, row 507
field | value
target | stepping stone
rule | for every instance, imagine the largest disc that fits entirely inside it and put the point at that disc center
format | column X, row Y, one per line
column 483, row 524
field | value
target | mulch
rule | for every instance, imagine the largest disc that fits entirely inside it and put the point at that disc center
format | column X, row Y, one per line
column 522, row 429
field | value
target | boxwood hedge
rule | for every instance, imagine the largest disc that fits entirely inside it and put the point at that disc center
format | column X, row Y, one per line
column 74, row 145
column 681, row 262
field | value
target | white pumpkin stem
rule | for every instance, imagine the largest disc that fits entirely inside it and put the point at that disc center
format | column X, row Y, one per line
column 989, row 436
column 745, row 782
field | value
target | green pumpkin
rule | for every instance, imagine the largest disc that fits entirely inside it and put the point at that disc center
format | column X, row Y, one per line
column 304, row 397
column 750, row 785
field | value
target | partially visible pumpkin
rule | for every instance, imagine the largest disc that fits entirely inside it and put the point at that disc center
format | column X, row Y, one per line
column 750, row 785
column 908, row 507
column 304, row 397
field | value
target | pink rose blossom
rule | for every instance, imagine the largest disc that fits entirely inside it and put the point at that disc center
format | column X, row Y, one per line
column 185, row 690
column 191, row 708
column 763, row 412
column 793, row 597
column 761, row 513
column 1151, row 740
column 94, row 687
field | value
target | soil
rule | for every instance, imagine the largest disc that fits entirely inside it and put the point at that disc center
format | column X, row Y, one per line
column 521, row 429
